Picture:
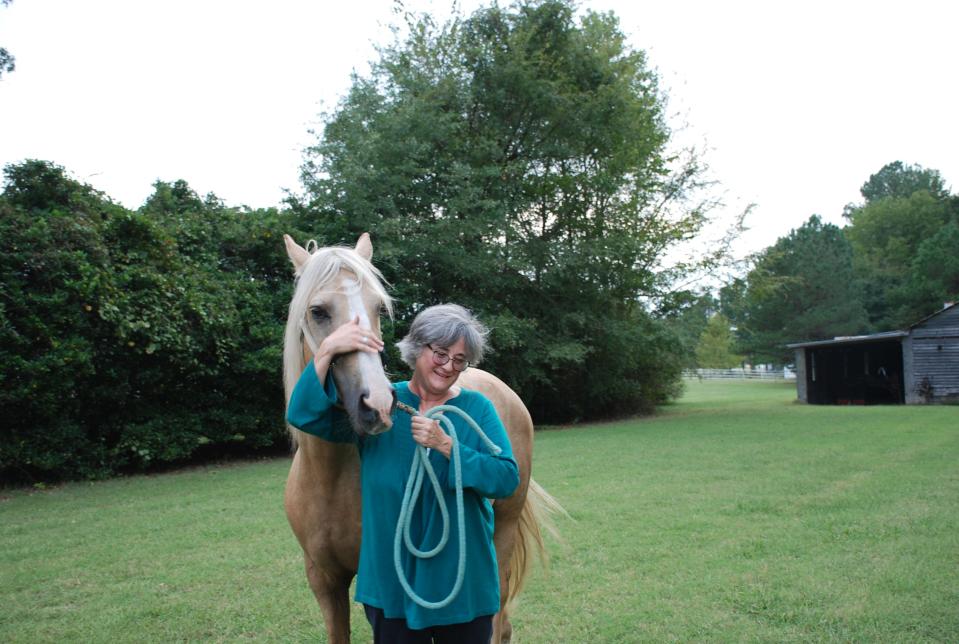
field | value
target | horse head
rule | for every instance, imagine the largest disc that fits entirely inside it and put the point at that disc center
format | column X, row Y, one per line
column 333, row 286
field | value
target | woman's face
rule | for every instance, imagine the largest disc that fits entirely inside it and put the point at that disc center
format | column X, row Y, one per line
column 433, row 379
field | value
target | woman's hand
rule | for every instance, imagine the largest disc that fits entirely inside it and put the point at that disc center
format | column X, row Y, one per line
column 346, row 338
column 428, row 433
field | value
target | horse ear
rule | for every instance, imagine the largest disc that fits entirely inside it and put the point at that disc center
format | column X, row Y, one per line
column 364, row 247
column 298, row 255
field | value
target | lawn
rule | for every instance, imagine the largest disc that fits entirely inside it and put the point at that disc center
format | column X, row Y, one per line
column 733, row 515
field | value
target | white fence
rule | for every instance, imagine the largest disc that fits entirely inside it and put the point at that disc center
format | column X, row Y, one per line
column 740, row 374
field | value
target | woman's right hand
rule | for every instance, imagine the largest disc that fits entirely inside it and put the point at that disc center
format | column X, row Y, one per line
column 347, row 338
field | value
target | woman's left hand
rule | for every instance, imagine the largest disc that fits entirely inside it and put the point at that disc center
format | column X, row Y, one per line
column 429, row 434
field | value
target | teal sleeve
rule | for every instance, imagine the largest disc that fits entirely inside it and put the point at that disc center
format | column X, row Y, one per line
column 312, row 409
column 494, row 477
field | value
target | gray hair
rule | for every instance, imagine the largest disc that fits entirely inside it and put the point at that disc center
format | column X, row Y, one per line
column 442, row 325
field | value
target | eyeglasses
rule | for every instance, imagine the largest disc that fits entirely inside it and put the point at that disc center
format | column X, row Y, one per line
column 441, row 357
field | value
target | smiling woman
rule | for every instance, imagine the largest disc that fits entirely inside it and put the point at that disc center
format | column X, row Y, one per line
column 442, row 342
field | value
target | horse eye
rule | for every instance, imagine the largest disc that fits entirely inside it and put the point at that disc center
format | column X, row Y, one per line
column 319, row 314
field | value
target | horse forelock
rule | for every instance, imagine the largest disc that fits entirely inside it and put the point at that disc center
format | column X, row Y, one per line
column 324, row 266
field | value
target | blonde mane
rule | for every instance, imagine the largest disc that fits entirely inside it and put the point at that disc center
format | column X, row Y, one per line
column 323, row 267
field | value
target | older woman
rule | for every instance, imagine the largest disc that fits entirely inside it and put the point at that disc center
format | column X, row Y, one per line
column 443, row 341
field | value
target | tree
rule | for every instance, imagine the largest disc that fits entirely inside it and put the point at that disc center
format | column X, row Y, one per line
column 687, row 314
column 715, row 348
column 934, row 278
column 898, row 180
column 886, row 234
column 801, row 288
column 514, row 161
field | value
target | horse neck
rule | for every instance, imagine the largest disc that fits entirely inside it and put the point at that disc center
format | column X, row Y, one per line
column 324, row 460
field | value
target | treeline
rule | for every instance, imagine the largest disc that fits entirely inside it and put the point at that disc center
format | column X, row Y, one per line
column 129, row 338
column 513, row 161
column 894, row 262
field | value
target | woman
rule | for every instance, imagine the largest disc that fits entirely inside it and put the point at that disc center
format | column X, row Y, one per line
column 443, row 341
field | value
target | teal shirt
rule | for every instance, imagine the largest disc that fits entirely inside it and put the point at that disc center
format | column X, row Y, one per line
column 385, row 466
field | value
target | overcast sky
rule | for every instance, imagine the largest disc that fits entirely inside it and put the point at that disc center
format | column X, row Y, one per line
column 795, row 104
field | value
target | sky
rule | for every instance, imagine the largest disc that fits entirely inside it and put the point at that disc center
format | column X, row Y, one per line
column 792, row 105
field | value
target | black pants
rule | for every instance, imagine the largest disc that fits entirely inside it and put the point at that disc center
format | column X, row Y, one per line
column 395, row 631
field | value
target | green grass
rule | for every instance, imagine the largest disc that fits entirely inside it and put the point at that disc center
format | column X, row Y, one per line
column 733, row 515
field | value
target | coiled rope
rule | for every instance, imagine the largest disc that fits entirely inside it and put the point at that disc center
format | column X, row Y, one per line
column 421, row 466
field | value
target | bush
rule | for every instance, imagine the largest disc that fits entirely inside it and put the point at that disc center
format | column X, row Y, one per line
column 129, row 339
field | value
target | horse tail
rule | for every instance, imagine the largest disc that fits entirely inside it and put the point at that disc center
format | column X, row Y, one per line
column 537, row 516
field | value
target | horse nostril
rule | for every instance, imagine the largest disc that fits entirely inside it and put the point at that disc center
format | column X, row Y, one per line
column 393, row 404
column 366, row 412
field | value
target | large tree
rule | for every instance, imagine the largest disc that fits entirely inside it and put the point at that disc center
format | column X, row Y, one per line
column 906, row 207
column 514, row 160
column 801, row 288
column 934, row 274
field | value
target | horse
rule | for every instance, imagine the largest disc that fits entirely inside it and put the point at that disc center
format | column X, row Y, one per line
column 322, row 499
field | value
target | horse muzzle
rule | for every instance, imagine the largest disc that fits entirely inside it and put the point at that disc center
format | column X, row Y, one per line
column 375, row 413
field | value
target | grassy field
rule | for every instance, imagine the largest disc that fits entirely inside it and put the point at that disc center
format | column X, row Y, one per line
column 734, row 515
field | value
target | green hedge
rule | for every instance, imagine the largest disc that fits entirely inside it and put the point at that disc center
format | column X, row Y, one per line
column 134, row 338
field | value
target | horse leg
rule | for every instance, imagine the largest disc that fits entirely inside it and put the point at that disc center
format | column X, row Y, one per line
column 502, row 628
column 333, row 596
column 505, row 540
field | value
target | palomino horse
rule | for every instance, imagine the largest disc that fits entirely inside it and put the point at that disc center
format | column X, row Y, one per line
column 323, row 489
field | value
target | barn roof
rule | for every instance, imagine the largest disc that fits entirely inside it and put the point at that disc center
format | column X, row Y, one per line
column 851, row 339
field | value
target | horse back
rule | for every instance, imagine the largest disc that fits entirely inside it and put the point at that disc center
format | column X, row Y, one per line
column 518, row 423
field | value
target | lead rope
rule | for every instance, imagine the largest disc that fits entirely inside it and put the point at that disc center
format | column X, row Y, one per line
column 421, row 465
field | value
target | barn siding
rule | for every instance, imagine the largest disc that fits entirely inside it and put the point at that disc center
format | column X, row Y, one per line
column 934, row 354
column 909, row 373
column 944, row 320
column 801, row 393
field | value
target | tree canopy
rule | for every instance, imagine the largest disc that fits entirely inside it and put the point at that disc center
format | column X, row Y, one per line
column 898, row 180
column 514, row 161
column 906, row 214
column 800, row 288
column 895, row 262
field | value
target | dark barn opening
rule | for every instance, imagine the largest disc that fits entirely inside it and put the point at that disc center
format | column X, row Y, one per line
column 867, row 373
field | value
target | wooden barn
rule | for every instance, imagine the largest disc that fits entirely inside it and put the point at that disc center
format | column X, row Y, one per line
column 918, row 365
